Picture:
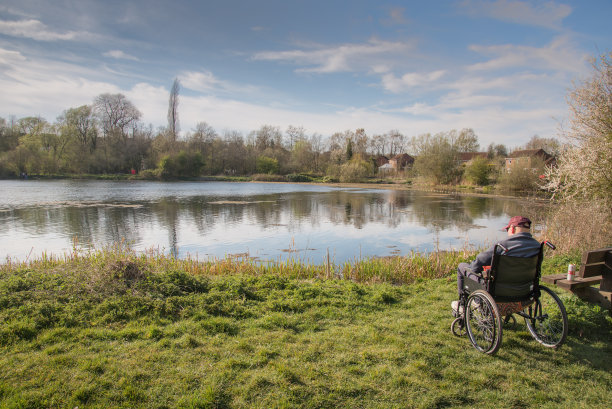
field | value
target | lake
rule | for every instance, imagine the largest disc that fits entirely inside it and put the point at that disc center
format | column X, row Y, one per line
column 263, row 221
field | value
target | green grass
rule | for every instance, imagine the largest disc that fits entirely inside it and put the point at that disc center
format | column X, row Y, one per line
column 112, row 329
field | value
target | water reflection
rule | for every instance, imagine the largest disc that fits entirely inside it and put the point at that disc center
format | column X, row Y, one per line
column 218, row 219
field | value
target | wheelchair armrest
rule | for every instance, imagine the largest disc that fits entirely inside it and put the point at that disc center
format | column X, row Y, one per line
column 486, row 272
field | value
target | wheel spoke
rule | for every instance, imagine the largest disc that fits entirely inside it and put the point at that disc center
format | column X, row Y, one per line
column 548, row 321
column 483, row 322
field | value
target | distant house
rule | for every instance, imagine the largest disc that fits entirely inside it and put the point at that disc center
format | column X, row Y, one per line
column 525, row 158
column 401, row 161
column 386, row 168
column 381, row 160
column 465, row 157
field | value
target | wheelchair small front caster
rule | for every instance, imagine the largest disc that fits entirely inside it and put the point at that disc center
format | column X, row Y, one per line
column 458, row 327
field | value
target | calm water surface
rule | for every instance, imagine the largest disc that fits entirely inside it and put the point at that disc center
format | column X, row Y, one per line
column 259, row 220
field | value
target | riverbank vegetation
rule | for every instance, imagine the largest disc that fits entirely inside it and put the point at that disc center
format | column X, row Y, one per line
column 34, row 147
column 112, row 328
column 107, row 137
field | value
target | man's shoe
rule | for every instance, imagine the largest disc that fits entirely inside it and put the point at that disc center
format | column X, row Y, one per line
column 457, row 309
column 475, row 304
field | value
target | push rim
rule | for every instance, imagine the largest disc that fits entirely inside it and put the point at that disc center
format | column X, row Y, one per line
column 546, row 319
column 483, row 322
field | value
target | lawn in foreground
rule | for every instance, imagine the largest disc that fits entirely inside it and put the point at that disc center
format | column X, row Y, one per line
column 172, row 339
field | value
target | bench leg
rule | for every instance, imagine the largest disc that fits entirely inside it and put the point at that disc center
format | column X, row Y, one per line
column 596, row 296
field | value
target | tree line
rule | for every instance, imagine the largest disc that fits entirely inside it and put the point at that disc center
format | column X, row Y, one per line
column 109, row 137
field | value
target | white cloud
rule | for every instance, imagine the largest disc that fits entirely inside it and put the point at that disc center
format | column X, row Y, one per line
column 419, row 109
column 120, row 55
column 559, row 55
column 200, row 81
column 342, row 58
column 456, row 101
column 206, row 81
column 151, row 101
column 543, row 14
column 8, row 57
column 410, row 80
column 35, row 30
column 396, row 15
column 43, row 87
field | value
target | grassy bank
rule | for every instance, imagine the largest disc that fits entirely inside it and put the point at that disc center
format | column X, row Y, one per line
column 112, row 329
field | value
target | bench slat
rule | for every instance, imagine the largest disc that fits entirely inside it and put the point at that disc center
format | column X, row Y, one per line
column 552, row 279
column 595, row 256
column 594, row 269
column 578, row 282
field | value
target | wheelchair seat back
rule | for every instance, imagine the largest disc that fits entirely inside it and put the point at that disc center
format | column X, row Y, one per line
column 514, row 278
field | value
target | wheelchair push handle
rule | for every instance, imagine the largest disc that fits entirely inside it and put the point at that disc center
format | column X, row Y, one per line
column 502, row 247
column 549, row 244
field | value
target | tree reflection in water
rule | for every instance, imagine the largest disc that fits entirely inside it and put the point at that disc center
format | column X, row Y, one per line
column 219, row 219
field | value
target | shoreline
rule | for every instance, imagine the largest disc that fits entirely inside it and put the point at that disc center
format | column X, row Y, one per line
column 449, row 190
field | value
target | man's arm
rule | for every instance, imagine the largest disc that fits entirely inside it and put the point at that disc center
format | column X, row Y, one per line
column 482, row 259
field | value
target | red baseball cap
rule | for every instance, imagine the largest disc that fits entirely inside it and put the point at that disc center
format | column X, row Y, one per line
column 519, row 221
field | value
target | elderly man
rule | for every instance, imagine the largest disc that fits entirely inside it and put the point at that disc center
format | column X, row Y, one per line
column 519, row 243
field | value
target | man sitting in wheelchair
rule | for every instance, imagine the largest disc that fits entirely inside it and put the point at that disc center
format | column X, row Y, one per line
column 502, row 281
column 519, row 243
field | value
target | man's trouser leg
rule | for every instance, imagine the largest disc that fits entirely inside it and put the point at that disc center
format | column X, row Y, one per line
column 463, row 271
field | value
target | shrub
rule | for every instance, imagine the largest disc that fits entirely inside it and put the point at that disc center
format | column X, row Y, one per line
column 355, row 170
column 437, row 159
column 522, row 179
column 183, row 164
column 329, row 179
column 264, row 177
column 267, row 165
column 478, row 171
column 580, row 225
column 299, row 178
column 150, row 174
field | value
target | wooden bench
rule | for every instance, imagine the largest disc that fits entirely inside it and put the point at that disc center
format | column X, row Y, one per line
column 595, row 268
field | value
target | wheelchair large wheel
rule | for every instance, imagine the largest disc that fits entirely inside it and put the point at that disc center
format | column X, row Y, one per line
column 483, row 322
column 546, row 319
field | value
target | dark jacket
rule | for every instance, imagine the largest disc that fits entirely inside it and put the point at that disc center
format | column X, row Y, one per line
column 518, row 245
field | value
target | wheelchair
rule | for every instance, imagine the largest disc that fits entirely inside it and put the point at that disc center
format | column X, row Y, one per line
column 511, row 287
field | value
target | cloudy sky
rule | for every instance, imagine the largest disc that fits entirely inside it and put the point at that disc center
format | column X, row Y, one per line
column 501, row 67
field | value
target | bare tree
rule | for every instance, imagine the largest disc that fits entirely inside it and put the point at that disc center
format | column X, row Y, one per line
column 294, row 135
column 360, row 141
column 317, row 145
column 378, row 144
column 497, row 150
column 267, row 136
column 550, row 145
column 116, row 114
column 203, row 133
column 173, row 119
column 395, row 142
column 465, row 141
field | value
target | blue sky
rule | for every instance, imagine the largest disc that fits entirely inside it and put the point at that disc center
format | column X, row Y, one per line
column 501, row 67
